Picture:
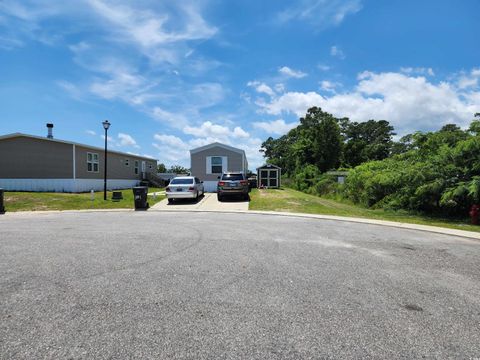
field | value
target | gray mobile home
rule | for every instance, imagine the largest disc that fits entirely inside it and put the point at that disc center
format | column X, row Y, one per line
column 33, row 163
column 210, row 161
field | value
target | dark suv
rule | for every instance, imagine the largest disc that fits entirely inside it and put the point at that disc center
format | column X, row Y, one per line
column 232, row 183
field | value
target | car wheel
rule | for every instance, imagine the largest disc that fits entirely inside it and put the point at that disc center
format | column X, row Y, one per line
column 219, row 197
column 170, row 200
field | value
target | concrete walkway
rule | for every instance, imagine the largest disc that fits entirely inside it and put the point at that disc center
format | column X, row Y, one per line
column 208, row 202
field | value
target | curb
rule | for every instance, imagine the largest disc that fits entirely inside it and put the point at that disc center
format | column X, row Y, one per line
column 407, row 226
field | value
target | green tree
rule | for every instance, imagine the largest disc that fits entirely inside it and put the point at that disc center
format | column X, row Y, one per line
column 365, row 141
column 320, row 141
column 177, row 169
column 161, row 168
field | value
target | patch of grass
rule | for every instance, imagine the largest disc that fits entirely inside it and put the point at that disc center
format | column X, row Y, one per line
column 289, row 200
column 36, row 201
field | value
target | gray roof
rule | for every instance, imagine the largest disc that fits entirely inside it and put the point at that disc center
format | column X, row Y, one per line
column 14, row 135
column 217, row 144
column 269, row 166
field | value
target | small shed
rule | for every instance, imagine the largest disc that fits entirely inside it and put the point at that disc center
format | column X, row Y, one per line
column 269, row 176
column 339, row 175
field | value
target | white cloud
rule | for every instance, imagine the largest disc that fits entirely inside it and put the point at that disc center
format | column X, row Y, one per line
column 91, row 132
column 335, row 51
column 153, row 32
column 173, row 119
column 409, row 103
column 469, row 80
column 127, row 140
column 323, row 67
column 279, row 88
column 329, row 86
column 170, row 140
column 238, row 132
column 285, row 70
column 277, row 127
column 122, row 84
column 418, row 70
column 291, row 102
column 136, row 50
column 210, row 130
column 320, row 14
column 261, row 87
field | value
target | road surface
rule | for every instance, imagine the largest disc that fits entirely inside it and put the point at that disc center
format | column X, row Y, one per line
column 155, row 285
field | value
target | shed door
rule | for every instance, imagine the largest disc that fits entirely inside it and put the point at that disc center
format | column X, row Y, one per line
column 273, row 178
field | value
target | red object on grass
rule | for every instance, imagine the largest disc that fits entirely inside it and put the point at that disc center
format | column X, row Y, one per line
column 474, row 213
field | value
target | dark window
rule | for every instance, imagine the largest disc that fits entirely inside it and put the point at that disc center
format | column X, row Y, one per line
column 233, row 177
column 217, row 165
column 181, row 182
column 92, row 162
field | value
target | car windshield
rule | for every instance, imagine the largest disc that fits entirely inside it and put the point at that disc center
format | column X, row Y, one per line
column 181, row 181
column 232, row 177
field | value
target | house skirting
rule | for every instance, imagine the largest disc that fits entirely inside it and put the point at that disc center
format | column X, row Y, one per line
column 64, row 185
column 210, row 186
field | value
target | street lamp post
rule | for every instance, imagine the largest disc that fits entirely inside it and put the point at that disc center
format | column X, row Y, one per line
column 106, row 125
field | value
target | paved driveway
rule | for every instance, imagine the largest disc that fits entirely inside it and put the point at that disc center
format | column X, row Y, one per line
column 207, row 202
column 170, row 285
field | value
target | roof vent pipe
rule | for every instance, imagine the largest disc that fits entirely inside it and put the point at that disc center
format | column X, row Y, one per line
column 50, row 131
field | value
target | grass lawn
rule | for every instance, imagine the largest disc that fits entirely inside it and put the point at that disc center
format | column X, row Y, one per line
column 35, row 201
column 289, row 200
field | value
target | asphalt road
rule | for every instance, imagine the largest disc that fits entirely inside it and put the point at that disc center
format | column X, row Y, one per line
column 117, row 285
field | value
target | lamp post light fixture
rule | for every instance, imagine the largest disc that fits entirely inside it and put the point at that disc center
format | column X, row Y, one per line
column 106, row 125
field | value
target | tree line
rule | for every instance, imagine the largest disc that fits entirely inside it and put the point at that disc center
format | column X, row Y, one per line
column 435, row 172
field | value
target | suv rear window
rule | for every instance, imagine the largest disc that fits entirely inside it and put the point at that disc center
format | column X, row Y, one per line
column 181, row 181
column 232, row 177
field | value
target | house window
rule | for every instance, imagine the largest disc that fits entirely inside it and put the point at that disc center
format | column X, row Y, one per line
column 217, row 165
column 127, row 162
column 136, row 167
column 92, row 162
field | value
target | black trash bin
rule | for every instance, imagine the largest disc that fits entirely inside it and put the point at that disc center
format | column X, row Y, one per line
column 140, row 197
column 2, row 207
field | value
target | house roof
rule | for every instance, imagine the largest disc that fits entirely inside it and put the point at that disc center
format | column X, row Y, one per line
column 269, row 166
column 217, row 144
column 14, row 135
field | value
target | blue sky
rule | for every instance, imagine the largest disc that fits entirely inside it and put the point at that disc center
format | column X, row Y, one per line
column 174, row 75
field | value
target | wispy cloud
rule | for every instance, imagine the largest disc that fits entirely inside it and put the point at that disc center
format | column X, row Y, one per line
column 127, row 140
column 158, row 34
column 261, row 87
column 320, row 14
column 297, row 74
column 418, row 70
column 336, row 51
column 277, row 127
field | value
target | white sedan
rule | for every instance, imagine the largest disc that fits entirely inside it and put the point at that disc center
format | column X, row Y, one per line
column 184, row 187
